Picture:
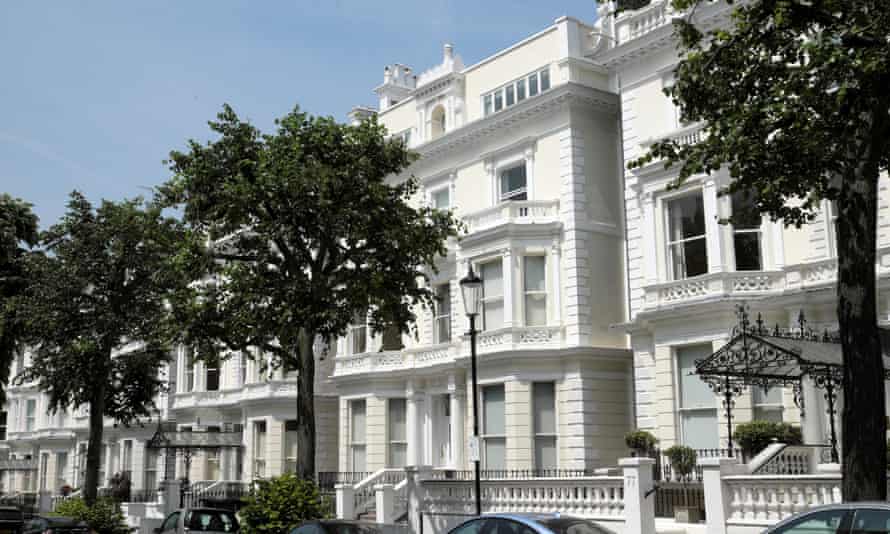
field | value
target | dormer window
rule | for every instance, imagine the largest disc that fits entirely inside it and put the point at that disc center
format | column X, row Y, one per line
column 513, row 183
column 437, row 122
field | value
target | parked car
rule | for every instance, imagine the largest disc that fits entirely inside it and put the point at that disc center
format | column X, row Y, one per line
column 11, row 520
column 855, row 517
column 48, row 524
column 522, row 523
column 342, row 526
column 212, row 520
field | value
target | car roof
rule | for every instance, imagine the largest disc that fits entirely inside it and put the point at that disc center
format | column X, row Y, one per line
column 529, row 519
column 859, row 505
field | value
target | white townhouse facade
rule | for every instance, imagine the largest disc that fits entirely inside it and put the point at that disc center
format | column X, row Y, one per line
column 686, row 273
column 523, row 146
column 42, row 451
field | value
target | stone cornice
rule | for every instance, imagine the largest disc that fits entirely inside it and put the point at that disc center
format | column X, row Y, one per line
column 528, row 110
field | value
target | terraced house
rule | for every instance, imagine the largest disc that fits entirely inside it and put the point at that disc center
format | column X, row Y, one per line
column 523, row 147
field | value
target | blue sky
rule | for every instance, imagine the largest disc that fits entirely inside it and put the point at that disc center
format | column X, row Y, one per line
column 94, row 95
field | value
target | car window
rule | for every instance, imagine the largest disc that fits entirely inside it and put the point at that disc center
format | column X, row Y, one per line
column 573, row 526
column 211, row 521
column 504, row 526
column 871, row 521
column 311, row 528
column 470, row 527
column 822, row 522
column 170, row 522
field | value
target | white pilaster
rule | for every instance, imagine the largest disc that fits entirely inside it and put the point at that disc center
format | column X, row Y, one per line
column 556, row 284
column 508, row 272
column 414, row 425
column 712, row 227
column 458, row 402
column 650, row 246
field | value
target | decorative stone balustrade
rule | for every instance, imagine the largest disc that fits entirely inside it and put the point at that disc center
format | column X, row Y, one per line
column 530, row 337
column 687, row 135
column 272, row 389
column 635, row 24
column 514, row 212
column 764, row 499
column 712, row 285
column 590, row 497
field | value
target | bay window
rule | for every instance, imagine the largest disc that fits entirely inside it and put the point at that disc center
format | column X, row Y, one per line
column 698, row 406
column 544, row 406
column 746, row 234
column 687, row 248
column 492, row 295
column 443, row 314
column 357, row 436
column 513, row 183
column 398, row 441
column 494, row 433
column 535, row 290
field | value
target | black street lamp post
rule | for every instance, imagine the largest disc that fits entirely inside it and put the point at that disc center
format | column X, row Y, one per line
column 471, row 288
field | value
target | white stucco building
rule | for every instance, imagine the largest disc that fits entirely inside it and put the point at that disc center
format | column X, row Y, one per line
column 523, row 147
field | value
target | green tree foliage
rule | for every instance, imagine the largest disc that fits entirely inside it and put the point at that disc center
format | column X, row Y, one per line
column 103, row 517
column 96, row 315
column 682, row 459
column 276, row 505
column 754, row 436
column 308, row 230
column 794, row 95
column 641, row 441
column 18, row 234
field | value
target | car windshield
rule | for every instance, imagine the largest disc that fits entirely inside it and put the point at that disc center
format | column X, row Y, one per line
column 573, row 526
column 211, row 521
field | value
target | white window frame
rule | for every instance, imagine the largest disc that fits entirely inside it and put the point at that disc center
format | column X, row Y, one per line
column 527, row 83
column 493, row 298
column 355, row 330
column 391, row 442
column 30, row 415
column 259, row 453
column 484, row 436
column 355, row 444
column 767, row 406
column 127, row 459
column 526, row 293
column 438, row 190
column 150, row 471
column 438, row 317
column 760, row 243
column 546, row 435
column 678, row 392
column 189, row 371
column 509, row 196
column 666, row 232
column 290, row 461
column 214, row 364
column 61, row 469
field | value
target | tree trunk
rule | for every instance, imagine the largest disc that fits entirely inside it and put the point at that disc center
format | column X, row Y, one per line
column 863, row 423
column 94, row 448
column 306, row 406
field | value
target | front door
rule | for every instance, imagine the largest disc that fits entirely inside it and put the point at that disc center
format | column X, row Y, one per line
column 441, row 431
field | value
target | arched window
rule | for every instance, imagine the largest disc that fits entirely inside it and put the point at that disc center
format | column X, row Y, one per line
column 437, row 122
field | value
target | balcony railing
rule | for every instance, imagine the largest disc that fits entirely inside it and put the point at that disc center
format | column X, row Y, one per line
column 513, row 212
column 503, row 339
column 748, row 283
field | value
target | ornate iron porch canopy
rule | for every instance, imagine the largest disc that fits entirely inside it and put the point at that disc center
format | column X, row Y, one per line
column 170, row 438
column 762, row 357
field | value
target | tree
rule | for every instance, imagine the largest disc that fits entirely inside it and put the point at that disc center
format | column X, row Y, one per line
column 18, row 234
column 794, row 96
column 306, row 234
column 96, row 314
column 277, row 505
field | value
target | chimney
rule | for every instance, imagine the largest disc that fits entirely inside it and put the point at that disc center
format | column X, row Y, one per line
column 448, row 52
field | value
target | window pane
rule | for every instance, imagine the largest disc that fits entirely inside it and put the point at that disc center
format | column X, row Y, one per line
column 689, row 258
column 700, row 429
column 694, row 393
column 511, row 95
column 744, row 217
column 493, row 409
column 498, row 100
column 545, row 452
column 397, row 411
column 358, row 458
column 545, row 79
column 495, row 453
column 544, row 405
column 533, row 85
column 441, row 199
column 520, row 90
column 686, row 217
column 358, row 421
column 772, row 395
column 767, row 414
column 290, row 439
column 536, row 309
column 493, row 315
column 486, row 105
column 534, row 273
column 747, row 251
column 492, row 279
column 513, row 183
column 871, row 522
column 821, row 522
column 398, row 455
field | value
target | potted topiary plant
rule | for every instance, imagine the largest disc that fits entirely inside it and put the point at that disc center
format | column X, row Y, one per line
column 640, row 443
column 682, row 459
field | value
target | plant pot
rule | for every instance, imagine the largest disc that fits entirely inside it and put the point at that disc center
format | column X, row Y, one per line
column 687, row 514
